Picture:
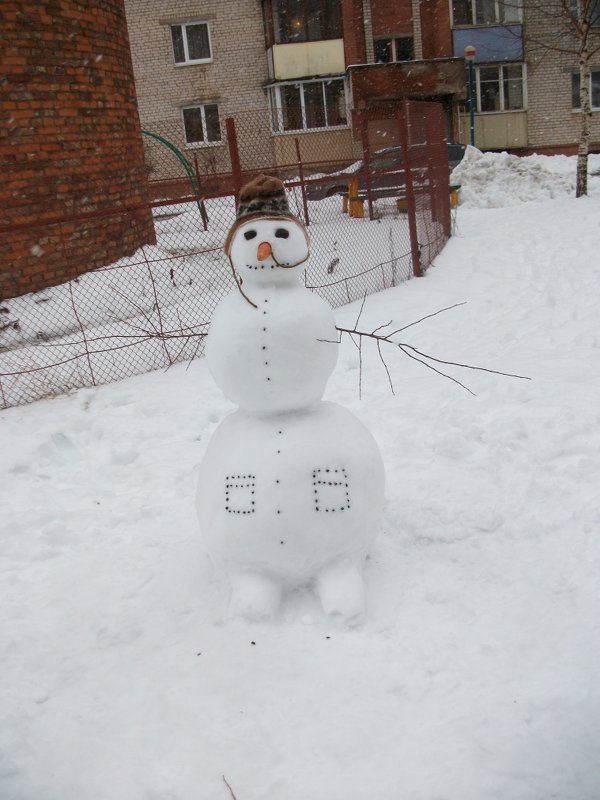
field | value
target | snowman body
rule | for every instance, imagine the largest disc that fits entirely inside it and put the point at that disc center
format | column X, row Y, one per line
column 291, row 487
column 290, row 494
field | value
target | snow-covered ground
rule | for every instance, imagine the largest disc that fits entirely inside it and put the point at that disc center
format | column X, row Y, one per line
column 474, row 676
column 495, row 180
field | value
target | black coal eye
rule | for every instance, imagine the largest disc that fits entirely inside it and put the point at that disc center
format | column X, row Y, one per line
column 249, row 234
column 281, row 233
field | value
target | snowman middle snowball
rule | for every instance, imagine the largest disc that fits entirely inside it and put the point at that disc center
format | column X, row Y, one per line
column 277, row 354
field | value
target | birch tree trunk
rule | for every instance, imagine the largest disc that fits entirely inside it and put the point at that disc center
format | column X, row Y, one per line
column 586, row 120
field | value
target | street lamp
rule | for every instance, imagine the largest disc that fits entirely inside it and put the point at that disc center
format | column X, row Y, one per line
column 470, row 53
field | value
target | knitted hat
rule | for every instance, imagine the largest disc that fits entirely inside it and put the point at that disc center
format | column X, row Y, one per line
column 262, row 197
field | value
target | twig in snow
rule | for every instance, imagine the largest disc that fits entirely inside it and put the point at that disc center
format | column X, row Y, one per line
column 362, row 305
column 229, row 787
column 385, row 366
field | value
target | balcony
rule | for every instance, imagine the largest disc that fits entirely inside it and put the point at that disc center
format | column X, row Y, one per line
column 416, row 79
column 306, row 59
column 501, row 131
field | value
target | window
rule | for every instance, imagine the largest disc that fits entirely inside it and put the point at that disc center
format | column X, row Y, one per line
column 201, row 124
column 308, row 105
column 305, row 20
column 594, row 90
column 397, row 49
column 486, row 12
column 500, row 88
column 191, row 43
column 591, row 9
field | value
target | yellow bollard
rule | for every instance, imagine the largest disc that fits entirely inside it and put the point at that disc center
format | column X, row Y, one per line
column 355, row 207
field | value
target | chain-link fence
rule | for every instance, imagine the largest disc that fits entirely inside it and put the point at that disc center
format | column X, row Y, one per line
column 376, row 215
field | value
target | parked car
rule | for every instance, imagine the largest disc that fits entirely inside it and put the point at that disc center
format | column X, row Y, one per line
column 387, row 172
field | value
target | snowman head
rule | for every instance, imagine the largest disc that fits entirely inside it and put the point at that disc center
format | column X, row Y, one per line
column 266, row 242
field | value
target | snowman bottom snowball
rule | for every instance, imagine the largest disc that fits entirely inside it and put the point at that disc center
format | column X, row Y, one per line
column 288, row 500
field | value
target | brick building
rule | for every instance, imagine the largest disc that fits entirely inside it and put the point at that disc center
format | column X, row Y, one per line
column 306, row 69
column 70, row 142
column 525, row 83
column 286, row 71
column 195, row 64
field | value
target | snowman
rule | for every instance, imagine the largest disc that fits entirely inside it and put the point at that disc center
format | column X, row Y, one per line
column 291, row 486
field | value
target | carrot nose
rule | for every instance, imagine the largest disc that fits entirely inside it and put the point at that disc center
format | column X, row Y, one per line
column 264, row 251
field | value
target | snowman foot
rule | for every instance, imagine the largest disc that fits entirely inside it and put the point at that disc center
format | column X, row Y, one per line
column 342, row 592
column 253, row 596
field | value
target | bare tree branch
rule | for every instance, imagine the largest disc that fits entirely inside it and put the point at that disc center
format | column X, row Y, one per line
column 427, row 316
column 412, row 352
column 466, row 366
column 439, row 372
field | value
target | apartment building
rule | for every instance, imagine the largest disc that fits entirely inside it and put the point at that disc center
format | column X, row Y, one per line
column 304, row 71
column 197, row 62
column 331, row 61
column 286, row 70
column 526, row 83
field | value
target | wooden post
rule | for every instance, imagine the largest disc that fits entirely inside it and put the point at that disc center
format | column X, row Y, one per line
column 403, row 128
column 302, row 186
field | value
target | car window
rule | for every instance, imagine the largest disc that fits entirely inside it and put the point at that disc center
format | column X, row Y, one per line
column 455, row 152
column 387, row 161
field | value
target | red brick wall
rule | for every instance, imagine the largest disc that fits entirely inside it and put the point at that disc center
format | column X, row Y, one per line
column 436, row 33
column 422, row 79
column 70, row 141
column 391, row 17
column 353, row 24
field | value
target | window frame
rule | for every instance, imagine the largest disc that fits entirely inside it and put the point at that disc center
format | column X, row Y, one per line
column 304, row 16
column 575, row 75
column 393, row 38
column 277, row 108
column 500, row 68
column 190, row 61
column 497, row 15
column 594, row 14
column 206, row 142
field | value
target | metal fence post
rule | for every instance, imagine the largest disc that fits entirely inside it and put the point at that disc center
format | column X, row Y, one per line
column 201, row 204
column 364, row 132
column 302, row 185
column 234, row 154
column 403, row 127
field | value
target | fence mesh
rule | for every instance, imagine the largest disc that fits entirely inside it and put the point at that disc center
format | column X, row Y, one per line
column 152, row 309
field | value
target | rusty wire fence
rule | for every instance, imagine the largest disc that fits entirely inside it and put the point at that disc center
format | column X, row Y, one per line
column 376, row 216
